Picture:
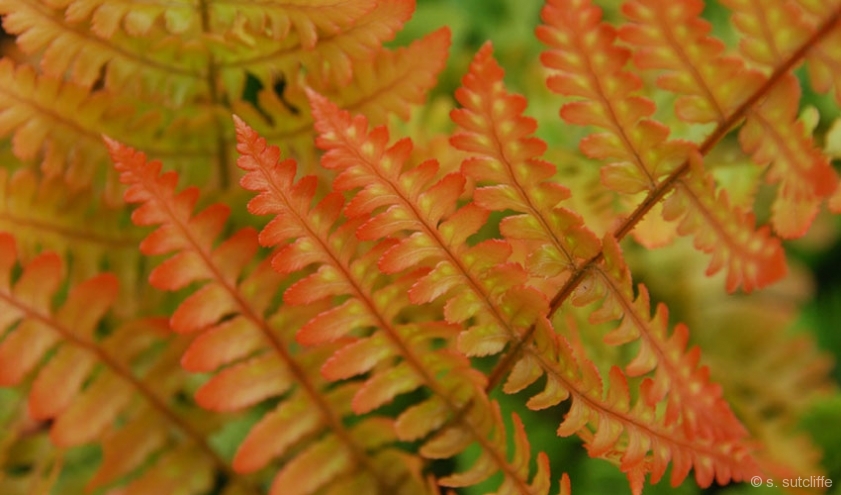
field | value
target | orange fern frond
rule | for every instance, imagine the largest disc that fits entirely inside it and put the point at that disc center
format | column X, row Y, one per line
column 527, row 369
column 671, row 36
column 344, row 272
column 822, row 61
column 717, row 87
column 506, row 156
column 493, row 294
column 772, row 133
column 614, row 427
column 266, row 365
column 751, row 258
column 691, row 399
column 772, row 30
column 417, row 203
column 586, row 63
column 84, row 371
column 387, row 84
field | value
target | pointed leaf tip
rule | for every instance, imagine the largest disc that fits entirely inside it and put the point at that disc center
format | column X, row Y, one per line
column 110, row 142
column 238, row 122
column 318, row 102
column 565, row 485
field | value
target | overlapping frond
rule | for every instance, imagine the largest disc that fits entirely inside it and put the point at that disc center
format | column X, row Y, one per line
column 751, row 258
column 309, row 20
column 332, row 59
column 387, row 84
column 57, row 122
column 772, row 30
column 183, row 66
column 772, row 133
column 631, row 433
column 412, row 200
column 594, row 69
column 44, row 215
column 417, row 202
column 586, row 63
column 393, row 80
column 693, row 400
column 67, row 47
column 136, row 19
column 85, row 384
column 398, row 296
column 492, row 293
column 233, row 304
column 775, row 137
column 506, row 158
column 671, row 36
column 399, row 358
column 715, row 86
column 822, row 61
column 265, row 39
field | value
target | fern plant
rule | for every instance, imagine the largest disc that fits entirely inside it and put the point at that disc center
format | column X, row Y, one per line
column 331, row 306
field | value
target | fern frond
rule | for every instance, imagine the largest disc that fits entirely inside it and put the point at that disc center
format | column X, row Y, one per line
column 774, row 136
column 691, row 398
column 754, row 259
column 506, row 156
column 44, row 215
column 126, row 62
column 823, row 62
column 387, row 84
column 586, row 63
column 57, row 122
column 751, row 258
column 308, row 20
column 695, row 400
column 137, row 19
column 343, row 271
column 769, row 409
column 772, row 133
column 417, row 203
column 629, row 433
column 516, row 475
column 332, row 59
column 84, row 372
column 309, row 418
column 492, row 292
column 772, row 31
column 392, row 80
column 484, row 80
column 671, row 36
